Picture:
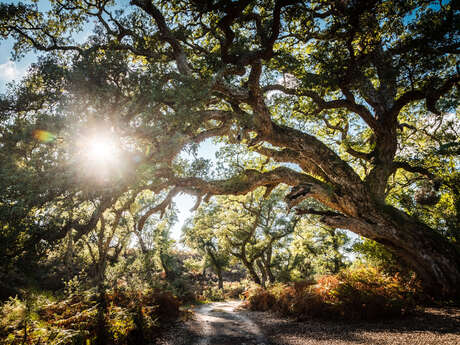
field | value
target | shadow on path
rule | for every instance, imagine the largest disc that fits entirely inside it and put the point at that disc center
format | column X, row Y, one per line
column 223, row 323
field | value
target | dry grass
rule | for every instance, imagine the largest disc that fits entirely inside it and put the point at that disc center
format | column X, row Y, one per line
column 358, row 294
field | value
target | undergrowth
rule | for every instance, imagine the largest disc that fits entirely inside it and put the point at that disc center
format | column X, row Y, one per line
column 358, row 294
column 129, row 318
column 231, row 290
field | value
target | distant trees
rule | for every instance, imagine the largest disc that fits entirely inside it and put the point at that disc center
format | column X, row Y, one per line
column 269, row 241
column 319, row 249
column 251, row 229
column 248, row 228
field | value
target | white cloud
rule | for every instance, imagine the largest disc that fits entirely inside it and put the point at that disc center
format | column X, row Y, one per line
column 9, row 71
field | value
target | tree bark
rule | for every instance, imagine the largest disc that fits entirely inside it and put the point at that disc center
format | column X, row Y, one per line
column 217, row 267
column 169, row 274
column 360, row 208
column 335, row 246
column 252, row 272
column 263, row 273
column 220, row 278
column 267, row 258
column 431, row 256
column 271, row 277
column 101, row 327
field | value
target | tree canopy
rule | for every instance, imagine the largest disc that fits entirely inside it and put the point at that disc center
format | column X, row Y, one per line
column 353, row 104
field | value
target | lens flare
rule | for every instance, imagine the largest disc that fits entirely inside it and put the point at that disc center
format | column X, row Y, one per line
column 101, row 150
column 43, row 136
column 100, row 157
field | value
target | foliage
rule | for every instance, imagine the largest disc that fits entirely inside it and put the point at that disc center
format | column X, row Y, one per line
column 253, row 229
column 212, row 293
column 235, row 290
column 317, row 250
column 373, row 253
column 359, row 294
column 130, row 317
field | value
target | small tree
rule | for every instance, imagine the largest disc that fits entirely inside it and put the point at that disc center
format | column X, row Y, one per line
column 200, row 234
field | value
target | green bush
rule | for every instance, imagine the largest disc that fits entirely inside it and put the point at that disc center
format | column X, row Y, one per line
column 212, row 293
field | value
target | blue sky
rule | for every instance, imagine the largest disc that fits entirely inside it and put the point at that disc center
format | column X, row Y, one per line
column 14, row 70
column 186, row 202
column 11, row 70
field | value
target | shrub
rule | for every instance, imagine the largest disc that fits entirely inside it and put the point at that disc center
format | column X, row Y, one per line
column 260, row 299
column 212, row 293
column 362, row 293
column 167, row 304
column 234, row 290
column 367, row 293
column 183, row 288
column 130, row 317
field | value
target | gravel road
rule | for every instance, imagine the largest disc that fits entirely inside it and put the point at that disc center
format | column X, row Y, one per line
column 225, row 323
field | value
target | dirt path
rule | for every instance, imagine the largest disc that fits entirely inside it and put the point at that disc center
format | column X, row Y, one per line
column 223, row 323
column 433, row 326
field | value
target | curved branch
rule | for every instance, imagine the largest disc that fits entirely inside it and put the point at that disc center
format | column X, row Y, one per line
column 311, row 149
column 431, row 95
column 248, row 181
column 161, row 207
column 414, row 169
column 290, row 156
column 348, row 103
column 166, row 34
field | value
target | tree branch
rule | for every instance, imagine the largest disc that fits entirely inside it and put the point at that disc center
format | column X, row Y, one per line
column 348, row 104
column 166, row 34
column 428, row 92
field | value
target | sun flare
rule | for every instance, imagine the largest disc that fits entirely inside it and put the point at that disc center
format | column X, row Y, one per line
column 100, row 157
column 101, row 150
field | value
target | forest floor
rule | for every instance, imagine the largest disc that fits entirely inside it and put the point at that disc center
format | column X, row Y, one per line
column 225, row 323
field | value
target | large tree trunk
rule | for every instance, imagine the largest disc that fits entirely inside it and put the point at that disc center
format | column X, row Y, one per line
column 435, row 260
column 360, row 207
